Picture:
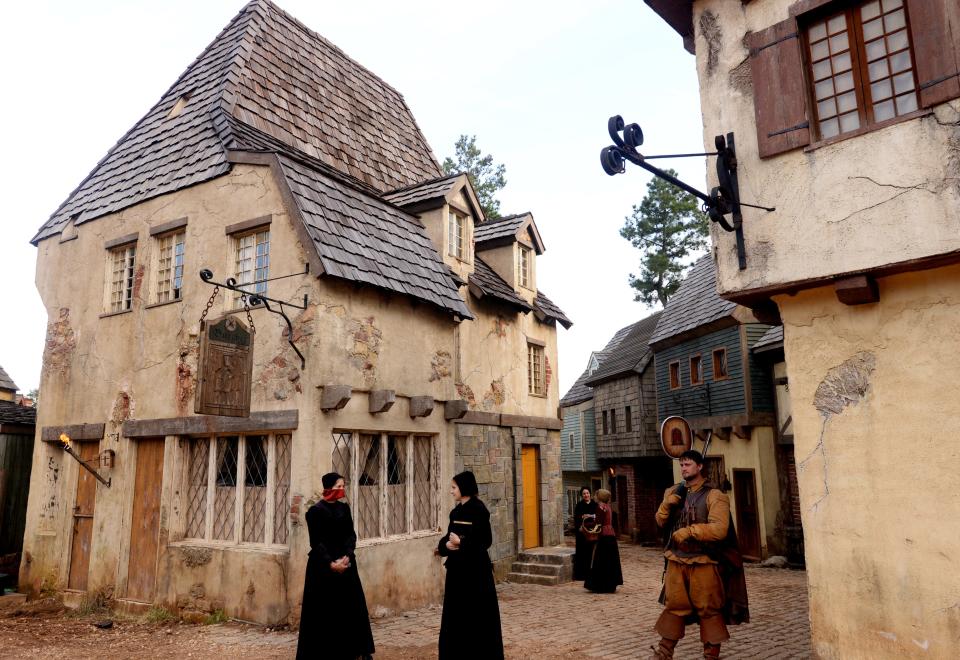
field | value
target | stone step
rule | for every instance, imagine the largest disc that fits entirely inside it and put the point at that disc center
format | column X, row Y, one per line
column 526, row 578
column 537, row 569
column 544, row 556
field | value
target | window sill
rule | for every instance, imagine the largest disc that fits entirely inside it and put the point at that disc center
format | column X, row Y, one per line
column 162, row 304
column 537, row 396
column 367, row 543
column 863, row 130
column 229, row 545
column 108, row 314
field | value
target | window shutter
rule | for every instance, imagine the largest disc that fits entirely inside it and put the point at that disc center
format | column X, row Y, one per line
column 935, row 28
column 779, row 92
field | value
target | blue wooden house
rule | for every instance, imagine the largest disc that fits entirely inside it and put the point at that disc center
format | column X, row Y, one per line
column 707, row 372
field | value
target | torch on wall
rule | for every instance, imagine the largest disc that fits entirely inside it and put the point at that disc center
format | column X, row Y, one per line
column 68, row 447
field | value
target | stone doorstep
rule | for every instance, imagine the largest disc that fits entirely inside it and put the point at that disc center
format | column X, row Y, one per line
column 72, row 598
column 527, row 578
column 537, row 569
column 12, row 599
column 556, row 555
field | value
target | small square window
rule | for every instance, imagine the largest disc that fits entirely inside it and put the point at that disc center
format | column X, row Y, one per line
column 674, row 375
column 696, row 370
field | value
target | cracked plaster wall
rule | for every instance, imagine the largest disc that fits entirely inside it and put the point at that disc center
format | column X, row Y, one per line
column 873, row 407
column 833, row 202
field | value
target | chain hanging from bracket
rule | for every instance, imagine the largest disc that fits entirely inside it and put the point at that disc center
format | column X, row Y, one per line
column 255, row 300
column 723, row 199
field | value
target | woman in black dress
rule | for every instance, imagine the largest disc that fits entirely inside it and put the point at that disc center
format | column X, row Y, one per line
column 605, row 574
column 334, row 624
column 470, row 624
column 581, row 560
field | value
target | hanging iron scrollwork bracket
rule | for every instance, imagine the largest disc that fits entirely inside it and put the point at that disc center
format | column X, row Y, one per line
column 723, row 200
column 256, row 300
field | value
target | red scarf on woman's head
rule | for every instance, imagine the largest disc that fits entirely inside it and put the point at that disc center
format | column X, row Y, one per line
column 333, row 494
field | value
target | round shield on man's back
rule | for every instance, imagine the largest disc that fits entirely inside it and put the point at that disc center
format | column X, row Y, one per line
column 675, row 436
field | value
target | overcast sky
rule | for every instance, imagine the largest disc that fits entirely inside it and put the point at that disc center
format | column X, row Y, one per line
column 534, row 81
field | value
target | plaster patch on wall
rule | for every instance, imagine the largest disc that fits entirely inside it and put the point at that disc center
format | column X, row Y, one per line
column 184, row 386
column 123, row 408
column 845, row 385
column 48, row 510
column 547, row 373
column 194, row 557
column 365, row 352
column 440, row 365
column 60, row 344
column 495, row 396
column 465, row 392
column 138, row 281
column 741, row 79
column 500, row 327
column 713, row 35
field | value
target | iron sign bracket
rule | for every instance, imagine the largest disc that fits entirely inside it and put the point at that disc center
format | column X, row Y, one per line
column 257, row 300
column 723, row 200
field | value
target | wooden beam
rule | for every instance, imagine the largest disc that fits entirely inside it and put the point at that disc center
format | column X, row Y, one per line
column 858, row 290
column 272, row 420
column 455, row 409
column 75, row 431
column 421, row 406
column 381, row 400
column 335, row 397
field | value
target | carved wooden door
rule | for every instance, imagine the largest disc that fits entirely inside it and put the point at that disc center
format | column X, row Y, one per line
column 145, row 523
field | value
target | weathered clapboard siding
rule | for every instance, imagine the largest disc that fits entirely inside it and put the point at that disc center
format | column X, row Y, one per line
column 16, row 456
column 638, row 392
column 571, row 457
column 726, row 397
column 760, row 382
column 591, row 462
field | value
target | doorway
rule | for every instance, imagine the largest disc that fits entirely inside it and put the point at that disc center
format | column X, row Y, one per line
column 748, row 514
column 145, row 521
column 83, row 517
column 530, row 473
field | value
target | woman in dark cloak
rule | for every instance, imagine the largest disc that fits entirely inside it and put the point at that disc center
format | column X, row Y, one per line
column 470, row 624
column 581, row 560
column 605, row 574
column 334, row 624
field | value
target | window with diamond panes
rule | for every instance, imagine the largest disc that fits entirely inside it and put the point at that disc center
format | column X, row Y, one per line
column 395, row 484
column 253, row 262
column 238, row 489
column 170, row 251
column 122, row 264
column 861, row 67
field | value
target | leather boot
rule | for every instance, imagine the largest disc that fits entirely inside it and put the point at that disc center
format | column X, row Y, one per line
column 663, row 650
column 711, row 651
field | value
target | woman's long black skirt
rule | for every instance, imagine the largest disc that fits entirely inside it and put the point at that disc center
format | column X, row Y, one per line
column 581, row 560
column 334, row 624
column 605, row 574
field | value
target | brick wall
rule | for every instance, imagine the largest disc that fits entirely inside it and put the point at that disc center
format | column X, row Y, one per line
column 646, row 479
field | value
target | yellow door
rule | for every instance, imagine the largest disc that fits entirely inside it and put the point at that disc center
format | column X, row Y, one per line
column 530, row 462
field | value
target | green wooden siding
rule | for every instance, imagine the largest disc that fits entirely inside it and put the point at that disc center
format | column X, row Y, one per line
column 583, row 455
column 591, row 462
column 726, row 397
column 760, row 381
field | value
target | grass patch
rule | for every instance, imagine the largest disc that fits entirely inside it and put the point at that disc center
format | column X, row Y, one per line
column 159, row 614
column 217, row 616
column 94, row 603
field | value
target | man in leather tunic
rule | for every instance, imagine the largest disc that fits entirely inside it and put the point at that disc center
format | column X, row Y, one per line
column 697, row 517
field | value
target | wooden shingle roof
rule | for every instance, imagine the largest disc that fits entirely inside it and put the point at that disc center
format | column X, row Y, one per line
column 696, row 303
column 421, row 192
column 6, row 383
column 484, row 281
column 580, row 391
column 546, row 309
column 13, row 413
column 265, row 71
column 631, row 355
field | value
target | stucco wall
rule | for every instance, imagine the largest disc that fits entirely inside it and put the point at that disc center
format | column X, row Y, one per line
column 876, row 465
column 832, row 201
column 141, row 364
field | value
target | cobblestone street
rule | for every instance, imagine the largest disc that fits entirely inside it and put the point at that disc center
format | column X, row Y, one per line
column 542, row 623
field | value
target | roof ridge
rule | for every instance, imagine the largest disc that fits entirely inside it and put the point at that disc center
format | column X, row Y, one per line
column 423, row 183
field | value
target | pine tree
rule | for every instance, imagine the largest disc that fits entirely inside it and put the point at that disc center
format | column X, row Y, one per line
column 486, row 177
column 667, row 227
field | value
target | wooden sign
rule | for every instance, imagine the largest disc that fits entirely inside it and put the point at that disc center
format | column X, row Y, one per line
column 225, row 368
column 675, row 436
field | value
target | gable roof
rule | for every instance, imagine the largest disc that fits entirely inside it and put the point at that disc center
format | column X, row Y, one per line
column 580, row 391
column 545, row 309
column 632, row 353
column 695, row 304
column 6, row 383
column 505, row 230
column 265, row 74
column 484, row 281
column 431, row 194
column 771, row 340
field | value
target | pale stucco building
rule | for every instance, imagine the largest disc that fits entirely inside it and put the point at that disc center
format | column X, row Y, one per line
column 428, row 344
column 847, row 120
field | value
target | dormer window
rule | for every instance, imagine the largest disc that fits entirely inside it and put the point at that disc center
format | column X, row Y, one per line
column 523, row 266
column 457, row 236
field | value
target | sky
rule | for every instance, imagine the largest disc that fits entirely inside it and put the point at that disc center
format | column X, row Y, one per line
column 534, row 80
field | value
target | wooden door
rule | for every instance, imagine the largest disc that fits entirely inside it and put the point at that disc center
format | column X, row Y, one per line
column 83, row 517
column 145, row 524
column 530, row 462
column 748, row 512
column 623, row 506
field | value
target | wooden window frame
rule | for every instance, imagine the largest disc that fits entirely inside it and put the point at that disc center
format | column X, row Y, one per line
column 536, row 369
column 270, row 504
column 713, row 358
column 699, row 358
column 523, row 266
column 603, row 414
column 675, row 384
column 255, row 285
column 628, row 420
column 352, row 484
column 457, row 236
column 165, row 284
column 613, row 420
column 124, row 276
column 859, row 69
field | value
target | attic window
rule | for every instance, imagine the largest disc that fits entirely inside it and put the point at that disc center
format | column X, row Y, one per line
column 523, row 266
column 179, row 105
